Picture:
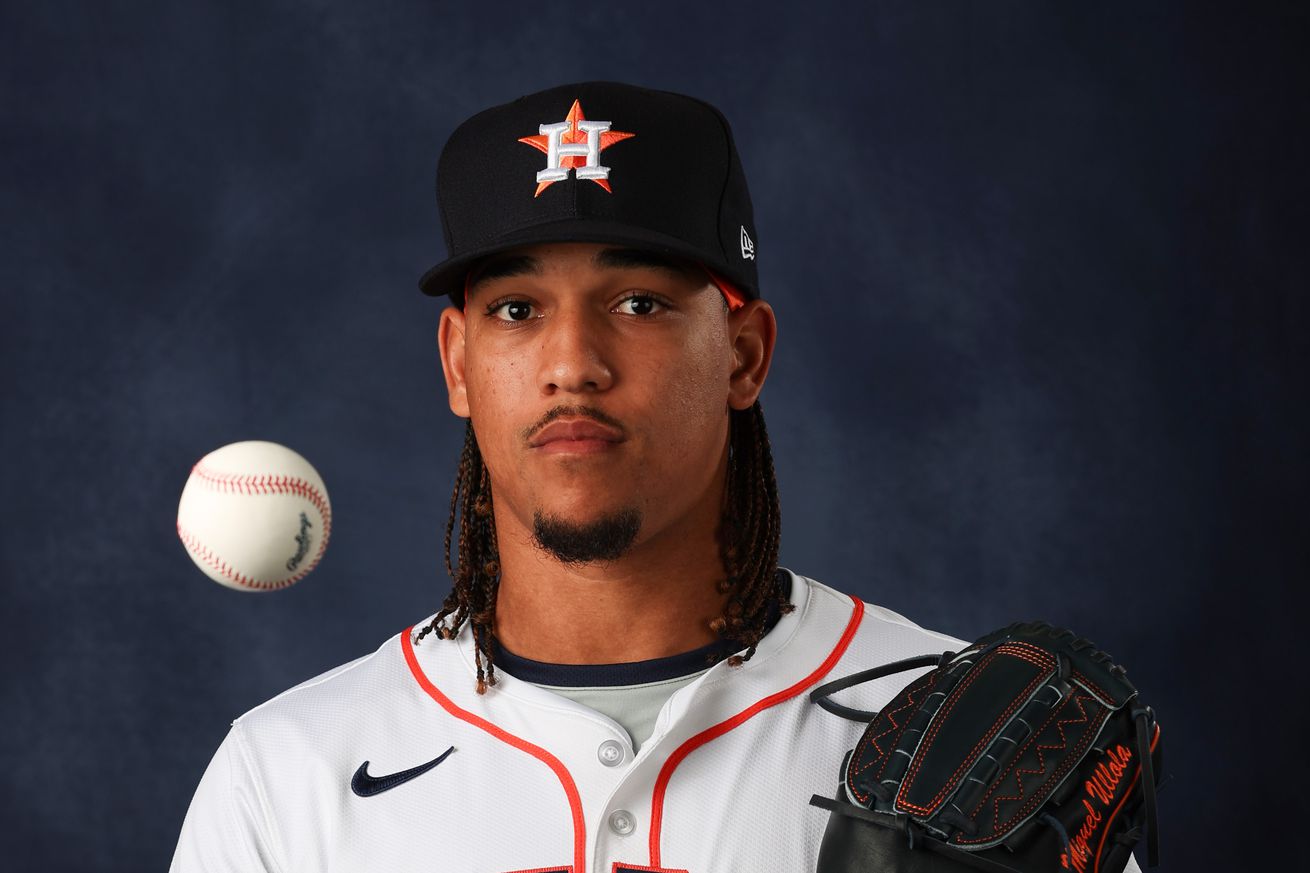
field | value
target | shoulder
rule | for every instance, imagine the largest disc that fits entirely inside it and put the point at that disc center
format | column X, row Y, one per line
column 324, row 685
column 889, row 631
column 284, row 763
column 871, row 636
column 327, row 710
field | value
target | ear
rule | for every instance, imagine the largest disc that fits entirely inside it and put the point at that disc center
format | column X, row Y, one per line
column 753, row 330
column 450, row 338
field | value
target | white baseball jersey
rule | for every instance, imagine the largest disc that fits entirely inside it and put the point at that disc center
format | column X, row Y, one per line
column 523, row 779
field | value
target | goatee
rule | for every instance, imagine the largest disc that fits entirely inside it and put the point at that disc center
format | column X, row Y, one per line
column 605, row 539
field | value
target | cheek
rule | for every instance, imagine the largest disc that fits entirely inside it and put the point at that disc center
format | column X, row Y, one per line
column 494, row 392
column 692, row 388
column 495, row 376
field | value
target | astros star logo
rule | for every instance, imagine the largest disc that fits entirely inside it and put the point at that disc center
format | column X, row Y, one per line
column 574, row 144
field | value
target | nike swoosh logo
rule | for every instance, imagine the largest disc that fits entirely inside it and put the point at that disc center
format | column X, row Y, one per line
column 366, row 786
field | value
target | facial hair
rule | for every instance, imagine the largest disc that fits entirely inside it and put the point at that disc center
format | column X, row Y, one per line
column 604, row 539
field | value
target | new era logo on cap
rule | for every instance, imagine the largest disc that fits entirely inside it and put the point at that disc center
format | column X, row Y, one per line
column 642, row 168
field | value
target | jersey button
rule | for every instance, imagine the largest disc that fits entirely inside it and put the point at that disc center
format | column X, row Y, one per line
column 610, row 753
column 622, row 822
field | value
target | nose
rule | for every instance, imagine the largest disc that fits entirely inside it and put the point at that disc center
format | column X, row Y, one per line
column 573, row 355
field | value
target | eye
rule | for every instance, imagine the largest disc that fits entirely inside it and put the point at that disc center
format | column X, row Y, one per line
column 639, row 304
column 511, row 310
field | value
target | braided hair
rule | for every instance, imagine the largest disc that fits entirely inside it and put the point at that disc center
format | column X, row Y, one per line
column 748, row 534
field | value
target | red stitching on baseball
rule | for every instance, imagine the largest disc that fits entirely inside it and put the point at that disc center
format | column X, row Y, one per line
column 246, row 483
column 199, row 550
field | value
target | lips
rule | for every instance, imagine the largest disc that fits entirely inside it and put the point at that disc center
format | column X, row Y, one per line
column 576, row 433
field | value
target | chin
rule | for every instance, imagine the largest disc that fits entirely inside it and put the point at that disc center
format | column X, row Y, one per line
column 604, row 537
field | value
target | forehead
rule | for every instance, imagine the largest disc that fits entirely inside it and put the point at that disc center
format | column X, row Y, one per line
column 539, row 260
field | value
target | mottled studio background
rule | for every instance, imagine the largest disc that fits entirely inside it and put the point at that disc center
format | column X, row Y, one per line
column 1041, row 303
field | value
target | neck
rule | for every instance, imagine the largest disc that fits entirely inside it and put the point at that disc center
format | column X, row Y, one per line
column 655, row 601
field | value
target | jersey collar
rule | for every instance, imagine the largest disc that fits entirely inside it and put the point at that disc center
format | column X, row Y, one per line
column 631, row 672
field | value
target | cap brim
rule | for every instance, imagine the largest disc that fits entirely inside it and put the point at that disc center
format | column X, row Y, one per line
column 447, row 278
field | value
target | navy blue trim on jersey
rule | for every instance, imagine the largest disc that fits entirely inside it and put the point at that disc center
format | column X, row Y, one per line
column 631, row 672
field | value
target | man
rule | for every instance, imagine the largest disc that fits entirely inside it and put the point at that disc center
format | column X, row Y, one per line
column 618, row 679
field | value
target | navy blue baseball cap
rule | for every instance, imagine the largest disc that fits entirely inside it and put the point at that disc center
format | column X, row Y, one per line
column 597, row 162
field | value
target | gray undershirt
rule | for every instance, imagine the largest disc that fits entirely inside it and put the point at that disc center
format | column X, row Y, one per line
column 634, row 707
column 632, row 693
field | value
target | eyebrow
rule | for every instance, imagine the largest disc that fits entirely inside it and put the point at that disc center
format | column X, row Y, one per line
column 503, row 267
column 629, row 259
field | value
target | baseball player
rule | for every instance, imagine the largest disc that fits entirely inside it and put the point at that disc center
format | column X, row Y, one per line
column 618, row 680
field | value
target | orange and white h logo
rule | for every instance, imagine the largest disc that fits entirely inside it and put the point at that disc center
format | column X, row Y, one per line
column 574, row 144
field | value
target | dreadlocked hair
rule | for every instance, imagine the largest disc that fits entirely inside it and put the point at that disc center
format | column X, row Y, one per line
column 477, row 575
column 749, row 529
column 748, row 534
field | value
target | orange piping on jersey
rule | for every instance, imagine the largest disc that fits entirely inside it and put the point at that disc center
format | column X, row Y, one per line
column 1100, row 845
column 666, row 773
column 566, row 780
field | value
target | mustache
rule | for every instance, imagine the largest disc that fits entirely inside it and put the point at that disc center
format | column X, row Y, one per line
column 574, row 412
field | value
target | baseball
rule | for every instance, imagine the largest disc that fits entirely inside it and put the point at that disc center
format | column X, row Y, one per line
column 254, row 516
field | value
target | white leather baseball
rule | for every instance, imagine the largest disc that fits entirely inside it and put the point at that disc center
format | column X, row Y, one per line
column 254, row 516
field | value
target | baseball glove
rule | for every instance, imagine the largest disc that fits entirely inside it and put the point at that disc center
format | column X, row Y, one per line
column 1028, row 751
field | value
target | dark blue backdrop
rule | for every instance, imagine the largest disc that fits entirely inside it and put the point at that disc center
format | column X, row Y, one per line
column 1040, row 304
